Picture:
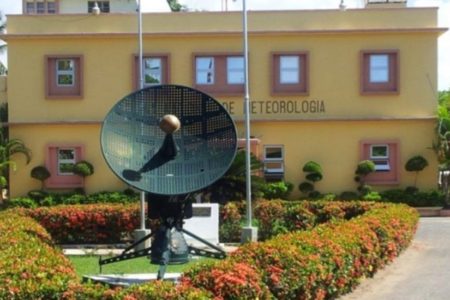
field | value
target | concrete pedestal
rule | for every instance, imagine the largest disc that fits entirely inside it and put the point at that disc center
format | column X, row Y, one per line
column 139, row 234
column 249, row 234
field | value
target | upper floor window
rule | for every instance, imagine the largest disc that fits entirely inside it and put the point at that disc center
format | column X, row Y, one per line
column 65, row 72
column 235, row 70
column 155, row 70
column 64, row 76
column 204, row 67
column 103, row 5
column 385, row 155
column 290, row 73
column 379, row 72
column 40, row 7
column 219, row 73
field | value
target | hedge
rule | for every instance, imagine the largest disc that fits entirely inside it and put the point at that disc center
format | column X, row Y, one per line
column 321, row 263
column 30, row 266
column 93, row 223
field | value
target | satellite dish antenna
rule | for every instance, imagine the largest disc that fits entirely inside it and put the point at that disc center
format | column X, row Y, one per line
column 169, row 141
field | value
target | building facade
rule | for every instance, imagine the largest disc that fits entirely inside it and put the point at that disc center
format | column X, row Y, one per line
column 330, row 86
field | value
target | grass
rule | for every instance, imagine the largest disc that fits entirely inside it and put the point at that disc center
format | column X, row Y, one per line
column 88, row 265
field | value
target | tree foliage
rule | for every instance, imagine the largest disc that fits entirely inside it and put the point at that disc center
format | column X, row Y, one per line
column 175, row 6
column 441, row 143
column 232, row 185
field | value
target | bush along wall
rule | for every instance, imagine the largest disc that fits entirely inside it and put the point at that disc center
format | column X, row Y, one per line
column 93, row 223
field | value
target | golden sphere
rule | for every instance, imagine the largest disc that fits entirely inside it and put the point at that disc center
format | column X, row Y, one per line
column 169, row 124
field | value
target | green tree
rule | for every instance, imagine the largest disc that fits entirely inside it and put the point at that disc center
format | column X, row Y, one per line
column 441, row 143
column 364, row 168
column 8, row 149
column 416, row 164
column 175, row 6
column 232, row 185
column 313, row 174
column 40, row 173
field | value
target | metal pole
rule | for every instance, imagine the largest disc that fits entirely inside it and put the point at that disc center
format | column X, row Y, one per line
column 247, row 119
column 141, row 85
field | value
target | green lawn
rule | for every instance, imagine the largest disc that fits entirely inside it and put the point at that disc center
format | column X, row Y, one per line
column 88, row 265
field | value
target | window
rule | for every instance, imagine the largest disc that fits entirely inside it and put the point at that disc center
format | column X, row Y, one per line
column 379, row 72
column 59, row 161
column 65, row 72
column 384, row 154
column 204, row 70
column 235, row 70
column 64, row 76
column 40, row 7
column 66, row 160
column 219, row 73
column 289, row 69
column 103, row 5
column 290, row 73
column 155, row 70
column 379, row 154
column 273, row 162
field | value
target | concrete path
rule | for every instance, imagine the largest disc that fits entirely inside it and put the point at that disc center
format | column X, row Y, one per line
column 422, row 272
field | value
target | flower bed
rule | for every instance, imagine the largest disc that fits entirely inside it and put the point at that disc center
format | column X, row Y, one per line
column 321, row 263
column 94, row 223
column 30, row 266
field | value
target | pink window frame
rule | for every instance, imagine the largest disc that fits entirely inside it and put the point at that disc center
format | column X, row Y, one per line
column 165, row 59
column 220, row 85
column 392, row 87
column 301, row 88
column 52, row 91
column 51, row 162
column 391, row 177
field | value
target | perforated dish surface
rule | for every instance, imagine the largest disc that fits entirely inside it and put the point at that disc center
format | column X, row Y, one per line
column 207, row 139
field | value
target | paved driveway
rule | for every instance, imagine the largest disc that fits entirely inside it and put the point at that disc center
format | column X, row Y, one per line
column 422, row 272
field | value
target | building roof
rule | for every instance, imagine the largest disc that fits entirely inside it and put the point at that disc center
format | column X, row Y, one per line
column 293, row 21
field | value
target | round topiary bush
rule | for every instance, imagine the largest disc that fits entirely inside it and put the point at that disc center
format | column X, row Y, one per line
column 314, row 177
column 306, row 187
column 312, row 167
column 40, row 173
column 365, row 167
column 83, row 168
column 416, row 164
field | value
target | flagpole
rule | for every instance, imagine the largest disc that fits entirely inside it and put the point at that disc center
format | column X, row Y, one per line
column 249, row 233
column 141, row 85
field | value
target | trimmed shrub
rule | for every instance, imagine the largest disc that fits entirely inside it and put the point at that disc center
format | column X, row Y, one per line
column 313, row 174
column 83, row 168
column 321, row 263
column 31, row 268
column 227, row 280
column 40, row 173
column 277, row 190
column 99, row 223
column 230, row 223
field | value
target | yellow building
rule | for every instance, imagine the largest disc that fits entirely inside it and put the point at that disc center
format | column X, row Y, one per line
column 330, row 86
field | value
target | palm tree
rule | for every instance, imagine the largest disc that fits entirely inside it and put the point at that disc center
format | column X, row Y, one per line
column 9, row 148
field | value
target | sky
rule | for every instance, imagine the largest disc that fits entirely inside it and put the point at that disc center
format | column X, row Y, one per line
column 15, row 6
